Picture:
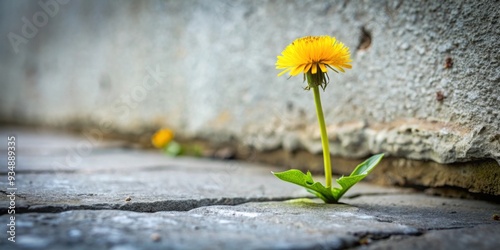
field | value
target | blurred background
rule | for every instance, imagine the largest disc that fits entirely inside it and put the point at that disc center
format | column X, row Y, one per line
column 424, row 88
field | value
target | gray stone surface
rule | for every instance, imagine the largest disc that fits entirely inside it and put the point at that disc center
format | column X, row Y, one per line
column 62, row 177
column 271, row 225
column 479, row 237
column 117, row 197
column 93, row 64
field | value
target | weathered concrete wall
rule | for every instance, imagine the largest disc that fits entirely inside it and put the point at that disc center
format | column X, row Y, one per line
column 424, row 83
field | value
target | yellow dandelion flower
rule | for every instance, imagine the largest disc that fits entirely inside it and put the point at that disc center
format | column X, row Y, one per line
column 313, row 54
column 162, row 137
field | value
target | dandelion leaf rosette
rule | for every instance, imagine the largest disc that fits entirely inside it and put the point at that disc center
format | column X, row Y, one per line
column 330, row 195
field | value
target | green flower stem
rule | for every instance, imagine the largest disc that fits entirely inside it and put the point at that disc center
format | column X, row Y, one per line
column 324, row 138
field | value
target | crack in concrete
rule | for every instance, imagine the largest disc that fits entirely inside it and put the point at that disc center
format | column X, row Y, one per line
column 17, row 195
column 369, row 238
column 354, row 196
column 160, row 206
column 144, row 207
column 445, row 228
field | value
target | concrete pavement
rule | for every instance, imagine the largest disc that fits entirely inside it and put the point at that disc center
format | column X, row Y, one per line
column 113, row 196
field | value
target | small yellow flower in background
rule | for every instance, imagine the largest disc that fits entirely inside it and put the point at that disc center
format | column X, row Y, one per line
column 312, row 55
column 162, row 137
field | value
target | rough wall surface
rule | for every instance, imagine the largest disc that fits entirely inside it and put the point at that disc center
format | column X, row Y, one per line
column 425, row 82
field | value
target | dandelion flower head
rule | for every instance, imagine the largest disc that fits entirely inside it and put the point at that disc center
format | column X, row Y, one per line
column 313, row 54
column 162, row 137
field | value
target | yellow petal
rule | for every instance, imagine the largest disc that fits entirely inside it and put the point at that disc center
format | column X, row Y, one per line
column 314, row 69
column 296, row 70
column 323, row 67
column 283, row 72
column 307, row 68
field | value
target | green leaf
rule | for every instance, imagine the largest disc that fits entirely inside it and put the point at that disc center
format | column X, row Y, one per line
column 367, row 166
column 305, row 180
column 330, row 195
column 359, row 173
column 173, row 149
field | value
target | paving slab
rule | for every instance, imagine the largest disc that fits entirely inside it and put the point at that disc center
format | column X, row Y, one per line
column 478, row 237
column 117, row 197
column 174, row 184
column 261, row 225
column 108, row 177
